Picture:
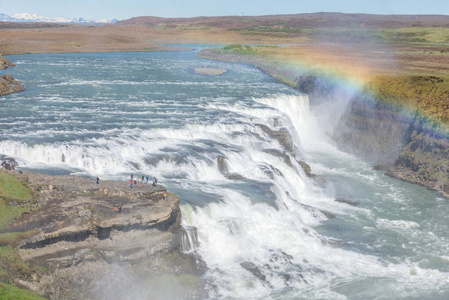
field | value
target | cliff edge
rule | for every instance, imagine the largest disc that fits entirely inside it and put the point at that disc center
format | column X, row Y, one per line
column 85, row 240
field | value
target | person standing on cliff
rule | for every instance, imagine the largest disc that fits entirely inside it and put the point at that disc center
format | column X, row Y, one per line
column 165, row 195
column 154, row 181
column 131, row 186
column 132, row 176
column 148, row 178
column 98, row 180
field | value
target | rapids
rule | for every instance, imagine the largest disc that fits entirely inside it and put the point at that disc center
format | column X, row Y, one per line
column 269, row 233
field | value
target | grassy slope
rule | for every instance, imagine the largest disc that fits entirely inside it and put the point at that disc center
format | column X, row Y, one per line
column 10, row 292
column 428, row 94
column 15, row 199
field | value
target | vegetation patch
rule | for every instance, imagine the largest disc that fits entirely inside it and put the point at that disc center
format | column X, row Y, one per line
column 238, row 49
column 10, row 292
column 416, row 34
column 15, row 199
column 428, row 95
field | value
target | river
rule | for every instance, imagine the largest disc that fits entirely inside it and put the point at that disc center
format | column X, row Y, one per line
column 269, row 231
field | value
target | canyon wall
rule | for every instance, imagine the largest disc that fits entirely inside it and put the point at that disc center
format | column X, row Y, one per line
column 406, row 144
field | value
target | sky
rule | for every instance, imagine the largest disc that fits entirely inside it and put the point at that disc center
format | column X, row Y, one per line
column 126, row 9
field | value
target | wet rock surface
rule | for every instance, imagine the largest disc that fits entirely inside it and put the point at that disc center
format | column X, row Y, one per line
column 7, row 162
column 9, row 85
column 5, row 63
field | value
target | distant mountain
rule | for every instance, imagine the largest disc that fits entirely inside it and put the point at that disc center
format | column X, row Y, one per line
column 26, row 17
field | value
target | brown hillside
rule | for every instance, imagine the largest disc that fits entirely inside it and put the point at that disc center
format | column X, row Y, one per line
column 312, row 20
column 28, row 25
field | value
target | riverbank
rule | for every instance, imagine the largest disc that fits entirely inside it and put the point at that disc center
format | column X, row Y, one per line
column 8, row 84
column 80, row 239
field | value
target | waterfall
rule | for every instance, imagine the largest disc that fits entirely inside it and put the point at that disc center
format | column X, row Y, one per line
column 189, row 239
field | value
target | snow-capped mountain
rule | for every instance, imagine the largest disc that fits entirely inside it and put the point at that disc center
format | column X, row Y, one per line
column 26, row 17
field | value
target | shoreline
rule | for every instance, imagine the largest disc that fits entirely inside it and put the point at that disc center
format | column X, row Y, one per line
column 8, row 84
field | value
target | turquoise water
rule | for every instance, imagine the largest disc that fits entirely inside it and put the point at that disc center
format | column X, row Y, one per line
column 272, row 233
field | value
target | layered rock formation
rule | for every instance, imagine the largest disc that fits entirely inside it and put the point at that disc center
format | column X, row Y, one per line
column 104, row 241
column 406, row 144
column 425, row 158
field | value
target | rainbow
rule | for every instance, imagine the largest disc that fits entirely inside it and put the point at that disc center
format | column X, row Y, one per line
column 361, row 71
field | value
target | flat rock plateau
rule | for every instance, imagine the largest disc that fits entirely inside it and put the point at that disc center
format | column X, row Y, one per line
column 92, row 249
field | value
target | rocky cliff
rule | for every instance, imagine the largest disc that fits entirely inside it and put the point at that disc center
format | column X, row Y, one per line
column 407, row 144
column 102, row 241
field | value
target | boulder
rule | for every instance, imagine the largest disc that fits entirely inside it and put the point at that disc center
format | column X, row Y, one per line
column 5, row 63
column 9, row 85
column 8, row 162
column 223, row 168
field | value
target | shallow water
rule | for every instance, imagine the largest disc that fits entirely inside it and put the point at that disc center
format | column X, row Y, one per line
column 272, row 234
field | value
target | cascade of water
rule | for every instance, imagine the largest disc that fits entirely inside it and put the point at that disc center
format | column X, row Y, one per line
column 189, row 239
column 262, row 242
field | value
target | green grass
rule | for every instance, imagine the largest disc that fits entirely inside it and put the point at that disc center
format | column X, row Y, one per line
column 428, row 94
column 10, row 292
column 414, row 35
column 239, row 49
column 11, row 261
column 275, row 27
column 417, row 34
column 9, row 238
column 15, row 199
column 12, row 188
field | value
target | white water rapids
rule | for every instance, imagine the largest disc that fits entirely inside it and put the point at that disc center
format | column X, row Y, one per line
column 265, row 230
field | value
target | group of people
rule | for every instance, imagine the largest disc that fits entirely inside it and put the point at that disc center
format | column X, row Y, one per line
column 134, row 181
